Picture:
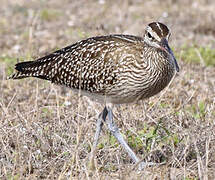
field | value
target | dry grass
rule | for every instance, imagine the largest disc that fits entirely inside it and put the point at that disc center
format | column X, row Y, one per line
column 47, row 131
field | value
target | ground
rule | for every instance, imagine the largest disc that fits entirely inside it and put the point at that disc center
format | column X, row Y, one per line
column 46, row 131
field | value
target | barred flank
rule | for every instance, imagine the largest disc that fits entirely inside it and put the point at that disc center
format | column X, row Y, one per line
column 121, row 68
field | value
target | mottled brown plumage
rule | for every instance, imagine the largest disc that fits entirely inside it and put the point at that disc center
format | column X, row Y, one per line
column 112, row 69
column 123, row 68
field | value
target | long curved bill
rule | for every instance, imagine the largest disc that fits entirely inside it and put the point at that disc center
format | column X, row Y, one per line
column 168, row 50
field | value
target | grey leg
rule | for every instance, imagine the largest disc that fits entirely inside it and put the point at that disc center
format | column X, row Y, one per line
column 99, row 125
column 115, row 131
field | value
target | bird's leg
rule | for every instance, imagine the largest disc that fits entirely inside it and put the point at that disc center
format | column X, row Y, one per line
column 115, row 131
column 99, row 125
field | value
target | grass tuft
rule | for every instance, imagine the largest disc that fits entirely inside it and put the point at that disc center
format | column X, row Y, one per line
column 49, row 14
column 10, row 62
column 195, row 54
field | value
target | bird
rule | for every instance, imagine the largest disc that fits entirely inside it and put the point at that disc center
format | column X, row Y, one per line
column 110, row 69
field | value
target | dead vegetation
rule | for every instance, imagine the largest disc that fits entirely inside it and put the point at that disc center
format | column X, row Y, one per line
column 46, row 131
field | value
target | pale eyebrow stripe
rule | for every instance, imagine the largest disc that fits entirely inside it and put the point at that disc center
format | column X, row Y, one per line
column 158, row 25
column 153, row 33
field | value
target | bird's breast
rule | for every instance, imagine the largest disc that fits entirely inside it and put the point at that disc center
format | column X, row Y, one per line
column 142, row 78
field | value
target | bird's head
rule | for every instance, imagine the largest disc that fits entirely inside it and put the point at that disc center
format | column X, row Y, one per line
column 157, row 35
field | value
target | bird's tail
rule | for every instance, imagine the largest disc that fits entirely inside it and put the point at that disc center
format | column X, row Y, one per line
column 30, row 69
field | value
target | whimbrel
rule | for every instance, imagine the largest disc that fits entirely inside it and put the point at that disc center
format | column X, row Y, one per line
column 112, row 69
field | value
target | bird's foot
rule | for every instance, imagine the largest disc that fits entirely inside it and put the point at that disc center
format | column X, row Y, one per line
column 142, row 165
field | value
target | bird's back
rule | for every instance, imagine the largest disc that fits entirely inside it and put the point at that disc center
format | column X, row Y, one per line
column 116, row 67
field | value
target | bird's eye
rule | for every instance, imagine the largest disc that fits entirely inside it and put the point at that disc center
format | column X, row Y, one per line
column 149, row 35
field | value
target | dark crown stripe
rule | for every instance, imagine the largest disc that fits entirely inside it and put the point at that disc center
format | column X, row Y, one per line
column 160, row 29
